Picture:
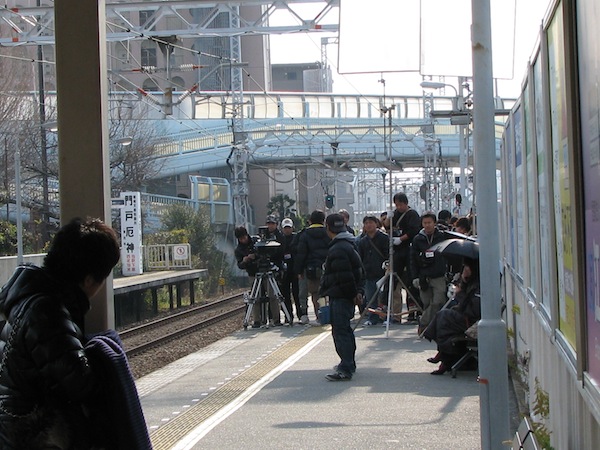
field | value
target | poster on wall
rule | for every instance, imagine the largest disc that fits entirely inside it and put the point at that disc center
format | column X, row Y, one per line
column 562, row 184
column 546, row 242
column 519, row 199
column 533, row 249
column 510, row 195
column 589, row 84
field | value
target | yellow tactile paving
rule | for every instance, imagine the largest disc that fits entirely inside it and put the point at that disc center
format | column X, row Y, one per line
column 172, row 432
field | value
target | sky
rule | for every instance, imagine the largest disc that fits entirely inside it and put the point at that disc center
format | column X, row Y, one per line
column 390, row 37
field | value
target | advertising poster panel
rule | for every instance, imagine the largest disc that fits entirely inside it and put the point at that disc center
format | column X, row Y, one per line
column 562, row 183
column 510, row 195
column 589, row 83
column 546, row 242
column 533, row 249
column 519, row 198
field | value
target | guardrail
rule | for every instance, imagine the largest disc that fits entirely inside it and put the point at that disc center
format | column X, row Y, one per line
column 167, row 256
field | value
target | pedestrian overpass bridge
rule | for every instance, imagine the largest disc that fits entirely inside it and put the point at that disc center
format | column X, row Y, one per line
column 309, row 129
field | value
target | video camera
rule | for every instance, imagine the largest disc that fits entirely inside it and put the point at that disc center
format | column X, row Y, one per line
column 266, row 248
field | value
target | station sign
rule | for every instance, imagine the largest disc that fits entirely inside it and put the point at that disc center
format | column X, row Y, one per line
column 131, row 233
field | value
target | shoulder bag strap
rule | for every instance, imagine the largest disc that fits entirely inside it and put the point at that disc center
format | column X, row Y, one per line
column 400, row 219
column 376, row 249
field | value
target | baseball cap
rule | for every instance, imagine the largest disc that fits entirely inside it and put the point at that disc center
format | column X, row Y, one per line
column 335, row 223
column 271, row 219
column 287, row 223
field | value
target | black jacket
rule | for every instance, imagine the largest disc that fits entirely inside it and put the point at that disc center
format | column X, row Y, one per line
column 288, row 252
column 449, row 323
column 373, row 252
column 344, row 275
column 313, row 244
column 410, row 225
column 423, row 263
column 46, row 369
column 243, row 250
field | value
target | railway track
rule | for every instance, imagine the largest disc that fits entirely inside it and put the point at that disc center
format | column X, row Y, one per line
column 156, row 333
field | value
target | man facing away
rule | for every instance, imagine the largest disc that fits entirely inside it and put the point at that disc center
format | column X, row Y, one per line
column 312, row 247
column 343, row 283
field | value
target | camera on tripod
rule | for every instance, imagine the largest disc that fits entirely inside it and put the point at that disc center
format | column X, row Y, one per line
column 266, row 248
column 265, row 291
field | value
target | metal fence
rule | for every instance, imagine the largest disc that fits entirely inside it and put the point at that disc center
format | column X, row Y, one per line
column 168, row 256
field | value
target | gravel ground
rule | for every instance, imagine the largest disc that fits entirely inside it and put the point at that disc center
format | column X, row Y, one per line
column 154, row 359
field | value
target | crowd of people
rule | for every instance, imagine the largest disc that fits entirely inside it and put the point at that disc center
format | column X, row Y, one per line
column 308, row 268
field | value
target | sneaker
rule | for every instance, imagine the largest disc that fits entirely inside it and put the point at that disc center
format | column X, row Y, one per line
column 337, row 370
column 276, row 324
column 304, row 319
column 256, row 325
column 368, row 323
column 338, row 376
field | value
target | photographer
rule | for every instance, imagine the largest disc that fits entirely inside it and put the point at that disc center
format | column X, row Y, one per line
column 272, row 233
column 247, row 260
column 405, row 223
column 428, row 269
column 245, row 253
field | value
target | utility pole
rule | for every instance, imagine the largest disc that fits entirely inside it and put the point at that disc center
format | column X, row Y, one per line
column 43, row 139
column 240, row 151
column 493, row 361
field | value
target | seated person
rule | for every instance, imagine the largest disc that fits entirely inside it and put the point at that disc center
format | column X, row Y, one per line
column 452, row 322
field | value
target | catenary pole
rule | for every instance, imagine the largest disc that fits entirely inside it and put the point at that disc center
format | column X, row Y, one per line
column 493, row 370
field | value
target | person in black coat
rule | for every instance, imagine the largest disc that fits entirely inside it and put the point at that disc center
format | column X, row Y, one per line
column 311, row 251
column 49, row 387
column 373, row 248
column 428, row 269
column 404, row 224
column 245, row 253
column 289, row 281
column 450, row 323
column 343, row 283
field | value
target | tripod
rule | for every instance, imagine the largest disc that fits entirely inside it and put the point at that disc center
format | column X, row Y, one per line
column 388, row 280
column 259, row 296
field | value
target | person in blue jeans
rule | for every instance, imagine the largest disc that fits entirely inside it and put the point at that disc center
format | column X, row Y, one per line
column 343, row 282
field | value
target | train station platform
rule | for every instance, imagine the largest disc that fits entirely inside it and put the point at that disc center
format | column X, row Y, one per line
column 266, row 389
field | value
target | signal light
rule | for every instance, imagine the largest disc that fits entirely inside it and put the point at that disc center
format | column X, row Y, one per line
column 329, row 201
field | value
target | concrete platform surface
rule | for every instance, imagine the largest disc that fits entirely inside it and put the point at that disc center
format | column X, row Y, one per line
column 266, row 389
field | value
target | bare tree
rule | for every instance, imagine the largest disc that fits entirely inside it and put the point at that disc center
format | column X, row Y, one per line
column 133, row 159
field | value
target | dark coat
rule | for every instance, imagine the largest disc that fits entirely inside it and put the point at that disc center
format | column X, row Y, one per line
column 313, row 244
column 46, row 375
column 343, row 276
column 243, row 250
column 423, row 264
column 409, row 225
column 373, row 252
column 288, row 253
column 451, row 323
